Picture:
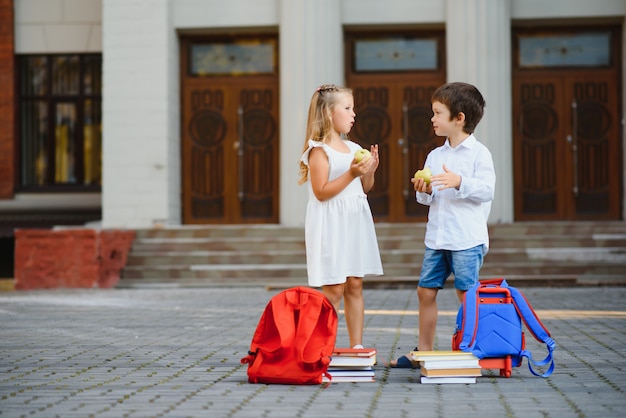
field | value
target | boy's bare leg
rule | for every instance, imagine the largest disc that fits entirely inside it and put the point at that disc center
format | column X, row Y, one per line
column 354, row 306
column 460, row 294
column 427, row 318
column 427, row 323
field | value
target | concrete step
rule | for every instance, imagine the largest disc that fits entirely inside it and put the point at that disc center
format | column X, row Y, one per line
column 414, row 255
column 400, row 242
column 384, row 282
column 584, row 253
column 393, row 270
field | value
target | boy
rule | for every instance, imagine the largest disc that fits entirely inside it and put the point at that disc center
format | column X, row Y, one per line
column 459, row 194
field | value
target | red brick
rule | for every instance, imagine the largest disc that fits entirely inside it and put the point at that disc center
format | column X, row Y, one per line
column 7, row 99
column 71, row 258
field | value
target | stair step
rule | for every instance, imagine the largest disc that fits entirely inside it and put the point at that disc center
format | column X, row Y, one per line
column 496, row 255
column 393, row 270
column 551, row 253
column 385, row 282
column 385, row 243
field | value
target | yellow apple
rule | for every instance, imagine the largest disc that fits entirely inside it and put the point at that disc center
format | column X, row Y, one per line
column 424, row 174
column 362, row 155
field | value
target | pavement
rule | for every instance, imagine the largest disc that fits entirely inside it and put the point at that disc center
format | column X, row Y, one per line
column 174, row 352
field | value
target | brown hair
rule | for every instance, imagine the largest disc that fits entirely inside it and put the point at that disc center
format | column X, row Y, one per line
column 319, row 123
column 462, row 98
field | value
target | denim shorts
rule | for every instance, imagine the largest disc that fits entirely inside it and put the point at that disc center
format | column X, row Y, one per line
column 439, row 264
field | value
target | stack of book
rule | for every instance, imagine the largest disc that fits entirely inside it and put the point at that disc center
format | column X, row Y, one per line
column 352, row 365
column 447, row 366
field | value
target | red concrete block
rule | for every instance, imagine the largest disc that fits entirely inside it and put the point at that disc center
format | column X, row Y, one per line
column 114, row 248
column 70, row 258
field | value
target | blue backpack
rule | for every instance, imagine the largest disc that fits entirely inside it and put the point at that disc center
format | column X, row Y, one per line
column 489, row 325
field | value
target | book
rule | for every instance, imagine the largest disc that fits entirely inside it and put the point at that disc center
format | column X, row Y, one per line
column 351, row 372
column 461, row 372
column 448, row 379
column 349, row 379
column 445, row 359
column 351, row 375
column 343, row 368
column 442, row 355
column 344, row 361
column 450, row 364
column 354, row 352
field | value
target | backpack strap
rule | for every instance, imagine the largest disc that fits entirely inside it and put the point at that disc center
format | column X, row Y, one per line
column 469, row 326
column 284, row 318
column 537, row 329
column 306, row 326
column 279, row 315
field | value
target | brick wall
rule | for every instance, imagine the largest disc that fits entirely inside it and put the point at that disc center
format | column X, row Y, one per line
column 70, row 258
column 7, row 100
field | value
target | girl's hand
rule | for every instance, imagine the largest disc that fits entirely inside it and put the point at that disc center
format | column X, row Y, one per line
column 366, row 167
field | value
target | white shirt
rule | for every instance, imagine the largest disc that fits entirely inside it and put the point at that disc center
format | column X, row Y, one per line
column 457, row 219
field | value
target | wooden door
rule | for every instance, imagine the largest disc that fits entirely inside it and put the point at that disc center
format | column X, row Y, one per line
column 230, row 149
column 567, row 139
column 393, row 110
column 396, row 116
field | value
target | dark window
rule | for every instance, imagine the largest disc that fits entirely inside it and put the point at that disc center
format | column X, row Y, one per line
column 60, row 118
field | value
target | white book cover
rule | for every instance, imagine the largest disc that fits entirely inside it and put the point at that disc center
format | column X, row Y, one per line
column 450, row 364
column 446, row 380
column 342, row 361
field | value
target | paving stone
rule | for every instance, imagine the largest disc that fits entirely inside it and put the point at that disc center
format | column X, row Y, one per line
column 175, row 353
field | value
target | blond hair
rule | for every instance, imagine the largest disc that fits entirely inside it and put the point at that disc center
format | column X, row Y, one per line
column 319, row 124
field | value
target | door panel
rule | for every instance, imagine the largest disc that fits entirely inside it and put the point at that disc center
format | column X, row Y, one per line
column 396, row 116
column 566, row 147
column 594, row 145
column 230, row 151
column 538, row 149
column 229, row 129
column 567, row 123
column 393, row 75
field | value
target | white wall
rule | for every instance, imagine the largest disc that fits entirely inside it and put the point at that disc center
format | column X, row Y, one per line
column 53, row 26
column 392, row 12
column 140, row 151
column 551, row 9
column 478, row 51
column 141, row 143
column 311, row 54
column 194, row 14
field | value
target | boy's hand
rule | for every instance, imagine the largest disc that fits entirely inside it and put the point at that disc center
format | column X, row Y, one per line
column 419, row 185
column 446, row 180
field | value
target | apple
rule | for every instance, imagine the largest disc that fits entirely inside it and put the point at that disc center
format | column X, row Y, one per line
column 362, row 155
column 424, row 174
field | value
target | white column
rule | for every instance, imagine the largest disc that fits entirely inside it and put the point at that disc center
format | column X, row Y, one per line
column 478, row 44
column 140, row 151
column 311, row 53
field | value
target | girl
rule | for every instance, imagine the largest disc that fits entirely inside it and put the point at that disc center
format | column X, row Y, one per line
column 341, row 244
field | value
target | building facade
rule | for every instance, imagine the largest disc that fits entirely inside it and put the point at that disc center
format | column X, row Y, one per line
column 152, row 112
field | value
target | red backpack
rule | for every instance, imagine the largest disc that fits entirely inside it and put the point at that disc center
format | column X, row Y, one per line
column 294, row 339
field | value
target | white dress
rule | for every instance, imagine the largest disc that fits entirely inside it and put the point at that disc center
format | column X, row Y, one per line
column 339, row 233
